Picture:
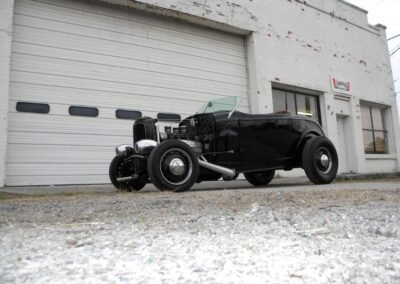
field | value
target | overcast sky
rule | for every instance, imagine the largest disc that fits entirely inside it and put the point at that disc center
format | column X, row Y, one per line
column 386, row 12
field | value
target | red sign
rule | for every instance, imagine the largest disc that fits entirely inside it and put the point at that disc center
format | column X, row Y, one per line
column 341, row 85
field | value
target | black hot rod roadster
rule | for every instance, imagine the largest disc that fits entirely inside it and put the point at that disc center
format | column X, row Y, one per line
column 220, row 142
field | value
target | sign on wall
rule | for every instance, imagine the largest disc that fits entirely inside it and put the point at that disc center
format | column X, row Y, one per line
column 340, row 86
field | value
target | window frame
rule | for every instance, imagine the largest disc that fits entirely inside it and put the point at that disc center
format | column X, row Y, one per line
column 296, row 104
column 385, row 130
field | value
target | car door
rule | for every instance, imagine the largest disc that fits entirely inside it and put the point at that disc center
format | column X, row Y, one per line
column 266, row 141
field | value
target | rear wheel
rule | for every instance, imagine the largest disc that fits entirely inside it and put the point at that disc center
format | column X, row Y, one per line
column 320, row 160
column 260, row 178
column 173, row 166
column 120, row 167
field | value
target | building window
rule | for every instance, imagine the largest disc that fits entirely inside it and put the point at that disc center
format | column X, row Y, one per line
column 83, row 111
column 374, row 129
column 128, row 114
column 32, row 107
column 163, row 116
column 296, row 103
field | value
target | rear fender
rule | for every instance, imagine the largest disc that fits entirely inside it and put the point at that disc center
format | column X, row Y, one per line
column 302, row 142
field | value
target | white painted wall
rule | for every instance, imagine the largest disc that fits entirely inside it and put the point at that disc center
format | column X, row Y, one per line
column 6, row 16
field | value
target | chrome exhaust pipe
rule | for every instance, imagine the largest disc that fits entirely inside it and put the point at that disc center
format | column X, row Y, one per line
column 123, row 179
column 219, row 169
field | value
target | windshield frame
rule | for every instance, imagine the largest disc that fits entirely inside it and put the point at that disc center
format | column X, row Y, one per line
column 231, row 109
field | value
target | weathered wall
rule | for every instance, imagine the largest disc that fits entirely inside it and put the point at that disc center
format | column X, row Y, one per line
column 6, row 16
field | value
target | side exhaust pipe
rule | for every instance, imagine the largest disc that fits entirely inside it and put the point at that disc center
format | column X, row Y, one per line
column 219, row 169
column 123, row 179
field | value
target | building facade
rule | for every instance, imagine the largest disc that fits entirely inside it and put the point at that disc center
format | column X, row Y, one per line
column 74, row 74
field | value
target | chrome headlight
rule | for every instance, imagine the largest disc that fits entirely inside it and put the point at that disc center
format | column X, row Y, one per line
column 124, row 150
column 145, row 146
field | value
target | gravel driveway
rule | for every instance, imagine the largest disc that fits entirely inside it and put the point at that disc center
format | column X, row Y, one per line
column 349, row 232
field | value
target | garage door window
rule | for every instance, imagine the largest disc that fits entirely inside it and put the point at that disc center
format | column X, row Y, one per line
column 296, row 103
column 83, row 111
column 32, row 107
column 128, row 114
column 374, row 129
column 168, row 116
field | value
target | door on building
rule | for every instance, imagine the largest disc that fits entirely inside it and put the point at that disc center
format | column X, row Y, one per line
column 344, row 149
column 82, row 71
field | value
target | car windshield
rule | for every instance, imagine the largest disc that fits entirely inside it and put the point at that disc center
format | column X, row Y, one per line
column 223, row 104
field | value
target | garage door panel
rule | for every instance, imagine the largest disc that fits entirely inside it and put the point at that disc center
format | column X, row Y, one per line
column 31, row 180
column 43, row 169
column 65, row 139
column 60, row 99
column 133, row 41
column 25, row 122
column 113, row 61
column 92, row 23
column 68, row 52
column 146, row 104
column 133, row 77
column 132, row 17
column 97, row 46
column 113, row 87
column 46, row 11
column 50, row 154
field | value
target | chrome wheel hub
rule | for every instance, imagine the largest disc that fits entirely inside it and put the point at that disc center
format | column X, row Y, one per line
column 325, row 160
column 177, row 167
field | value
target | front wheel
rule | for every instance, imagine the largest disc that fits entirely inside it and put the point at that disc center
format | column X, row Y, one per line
column 120, row 167
column 260, row 178
column 173, row 166
column 320, row 160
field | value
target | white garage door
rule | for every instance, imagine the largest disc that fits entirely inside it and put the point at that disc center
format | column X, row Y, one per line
column 79, row 53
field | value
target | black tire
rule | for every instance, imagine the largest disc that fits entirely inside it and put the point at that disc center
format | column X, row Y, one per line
column 119, row 167
column 260, row 178
column 161, row 171
column 320, row 160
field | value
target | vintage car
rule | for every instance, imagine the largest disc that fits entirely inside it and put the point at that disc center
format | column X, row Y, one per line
column 220, row 142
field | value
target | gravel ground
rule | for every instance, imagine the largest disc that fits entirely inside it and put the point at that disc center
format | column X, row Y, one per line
column 342, row 233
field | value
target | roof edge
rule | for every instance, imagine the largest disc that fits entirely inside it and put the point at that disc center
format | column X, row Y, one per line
column 353, row 6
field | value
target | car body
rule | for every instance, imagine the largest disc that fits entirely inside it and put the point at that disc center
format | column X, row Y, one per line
column 220, row 142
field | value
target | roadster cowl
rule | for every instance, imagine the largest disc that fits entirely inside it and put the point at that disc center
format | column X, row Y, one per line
column 220, row 142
